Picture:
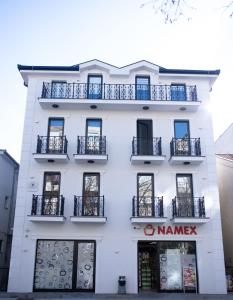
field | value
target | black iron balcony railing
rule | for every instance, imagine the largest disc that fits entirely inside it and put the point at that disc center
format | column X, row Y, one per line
column 143, row 146
column 95, row 145
column 49, row 205
column 52, row 145
column 147, row 207
column 188, row 207
column 63, row 90
column 185, row 147
column 89, row 206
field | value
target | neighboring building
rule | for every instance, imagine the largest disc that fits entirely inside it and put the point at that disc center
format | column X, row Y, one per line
column 224, row 150
column 135, row 194
column 8, row 185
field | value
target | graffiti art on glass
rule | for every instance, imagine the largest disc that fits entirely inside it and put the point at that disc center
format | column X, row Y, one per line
column 85, row 265
column 54, row 265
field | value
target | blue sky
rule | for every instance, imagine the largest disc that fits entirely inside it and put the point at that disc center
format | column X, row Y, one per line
column 67, row 32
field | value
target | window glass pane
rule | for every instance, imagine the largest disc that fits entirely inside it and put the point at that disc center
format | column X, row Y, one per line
column 178, row 92
column 52, row 182
column 56, row 127
column 94, row 127
column 85, row 265
column 59, row 89
column 95, row 79
column 91, row 184
column 181, row 130
column 142, row 88
column 94, row 87
column 145, row 186
column 54, row 265
column 184, row 185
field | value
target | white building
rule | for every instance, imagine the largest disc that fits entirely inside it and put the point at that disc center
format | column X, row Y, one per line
column 118, row 178
column 224, row 151
column 9, row 169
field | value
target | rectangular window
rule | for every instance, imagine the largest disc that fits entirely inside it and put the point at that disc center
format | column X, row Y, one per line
column 51, row 193
column 91, row 194
column 93, row 136
column 145, row 194
column 55, row 139
column 184, row 191
column 142, row 87
column 94, row 86
column 144, row 137
column 182, row 138
column 178, row 92
column 59, row 89
column 65, row 265
column 6, row 202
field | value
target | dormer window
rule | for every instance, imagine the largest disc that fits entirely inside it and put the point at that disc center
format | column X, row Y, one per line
column 142, row 89
column 94, row 86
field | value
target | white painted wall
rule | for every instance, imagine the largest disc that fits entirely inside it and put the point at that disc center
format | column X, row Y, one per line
column 223, row 144
column 117, row 239
column 225, row 179
column 8, row 185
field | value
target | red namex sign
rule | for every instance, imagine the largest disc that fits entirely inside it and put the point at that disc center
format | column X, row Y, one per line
column 165, row 230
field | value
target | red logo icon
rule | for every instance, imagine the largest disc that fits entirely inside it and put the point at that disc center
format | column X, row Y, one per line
column 149, row 230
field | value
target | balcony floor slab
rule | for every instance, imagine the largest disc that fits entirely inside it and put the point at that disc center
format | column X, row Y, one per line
column 189, row 220
column 147, row 159
column 186, row 160
column 146, row 220
column 137, row 105
column 88, row 158
column 43, row 158
column 88, row 219
column 58, row 219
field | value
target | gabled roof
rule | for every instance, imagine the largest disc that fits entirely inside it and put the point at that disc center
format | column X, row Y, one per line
column 107, row 65
column 8, row 156
column 226, row 156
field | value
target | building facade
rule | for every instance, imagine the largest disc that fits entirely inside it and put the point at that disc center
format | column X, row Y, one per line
column 224, row 158
column 9, row 169
column 118, row 178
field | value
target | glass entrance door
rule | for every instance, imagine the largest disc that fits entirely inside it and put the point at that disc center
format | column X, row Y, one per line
column 85, row 266
column 148, row 268
column 144, row 137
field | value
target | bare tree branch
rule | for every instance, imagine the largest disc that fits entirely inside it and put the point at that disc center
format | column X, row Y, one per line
column 171, row 10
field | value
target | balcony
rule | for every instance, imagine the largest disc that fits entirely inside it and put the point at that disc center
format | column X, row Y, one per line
column 118, row 96
column 189, row 210
column 146, row 151
column 47, row 209
column 186, row 152
column 91, row 149
column 51, row 149
column 147, row 210
column 88, row 209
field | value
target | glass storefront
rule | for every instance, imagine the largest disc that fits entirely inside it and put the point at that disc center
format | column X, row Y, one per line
column 64, row 265
column 167, row 266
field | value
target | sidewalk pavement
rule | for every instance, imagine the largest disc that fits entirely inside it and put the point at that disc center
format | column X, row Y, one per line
column 89, row 296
